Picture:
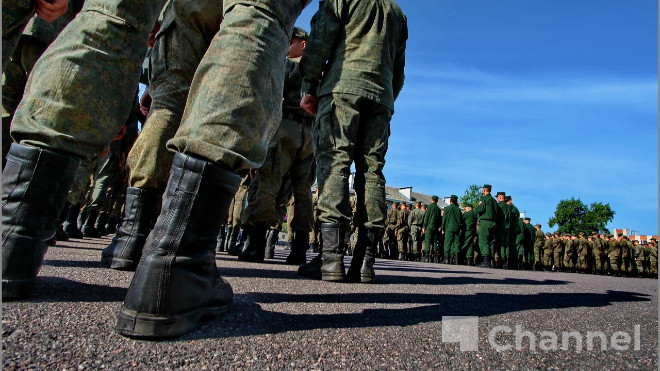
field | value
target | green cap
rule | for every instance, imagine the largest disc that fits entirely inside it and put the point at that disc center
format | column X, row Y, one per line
column 547, row 233
column 530, row 219
column 501, row 193
column 487, row 186
column 454, row 198
column 300, row 33
column 468, row 205
column 418, row 203
column 507, row 198
column 434, row 198
column 537, row 225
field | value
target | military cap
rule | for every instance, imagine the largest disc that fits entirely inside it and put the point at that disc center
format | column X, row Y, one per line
column 501, row 193
column 530, row 219
column 581, row 233
column 547, row 233
column 487, row 186
column 537, row 225
column 300, row 33
column 507, row 198
column 454, row 197
column 418, row 203
column 434, row 198
column 620, row 234
column 468, row 205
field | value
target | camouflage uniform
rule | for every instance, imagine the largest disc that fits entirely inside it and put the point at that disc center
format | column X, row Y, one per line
column 415, row 220
column 356, row 89
column 402, row 231
column 36, row 37
column 290, row 159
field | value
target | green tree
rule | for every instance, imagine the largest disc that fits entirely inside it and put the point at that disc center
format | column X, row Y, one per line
column 573, row 216
column 472, row 195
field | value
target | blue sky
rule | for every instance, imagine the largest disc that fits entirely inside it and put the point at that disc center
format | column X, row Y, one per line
column 546, row 100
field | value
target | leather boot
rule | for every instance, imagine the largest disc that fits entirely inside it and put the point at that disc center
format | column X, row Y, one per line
column 222, row 237
column 177, row 283
column 255, row 244
column 298, row 255
column 362, row 264
column 232, row 236
column 60, row 235
column 238, row 244
column 70, row 225
column 271, row 241
column 334, row 239
column 35, row 183
column 111, row 226
column 89, row 229
column 100, row 224
column 470, row 262
column 125, row 250
column 485, row 263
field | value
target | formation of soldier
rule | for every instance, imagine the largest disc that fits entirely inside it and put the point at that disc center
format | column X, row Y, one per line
column 495, row 236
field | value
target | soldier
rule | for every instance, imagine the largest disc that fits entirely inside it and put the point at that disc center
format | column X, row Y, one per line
column 468, row 234
column 290, row 159
column 570, row 253
column 487, row 212
column 314, row 236
column 514, row 229
column 452, row 225
column 539, row 238
column 614, row 256
column 214, row 142
column 432, row 220
column 583, row 253
column 597, row 252
column 626, row 254
column 415, row 222
column 353, row 85
column 235, row 216
column 639, row 258
column 548, row 253
column 389, row 237
column 653, row 258
column 558, row 252
column 402, row 231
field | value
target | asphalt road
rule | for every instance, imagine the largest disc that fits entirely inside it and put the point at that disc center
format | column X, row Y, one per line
column 282, row 322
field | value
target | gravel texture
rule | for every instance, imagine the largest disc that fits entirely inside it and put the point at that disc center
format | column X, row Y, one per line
column 279, row 321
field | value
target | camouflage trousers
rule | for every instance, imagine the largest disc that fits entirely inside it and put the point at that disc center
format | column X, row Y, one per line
column 107, row 170
column 547, row 257
column 538, row 253
column 351, row 129
column 285, row 171
column 236, row 90
column 558, row 258
column 76, row 195
column 416, row 238
column 184, row 37
column 402, row 236
column 14, row 78
column 234, row 217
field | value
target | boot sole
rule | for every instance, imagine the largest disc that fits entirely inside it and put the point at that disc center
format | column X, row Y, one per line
column 137, row 325
column 123, row 264
column 17, row 289
column 332, row 277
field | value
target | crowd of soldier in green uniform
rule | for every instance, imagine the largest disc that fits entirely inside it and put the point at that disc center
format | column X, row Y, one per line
column 495, row 236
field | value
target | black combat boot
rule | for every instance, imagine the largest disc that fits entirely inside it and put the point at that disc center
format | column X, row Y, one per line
column 334, row 240
column 470, row 262
column 125, row 250
column 221, row 240
column 485, row 263
column 35, row 183
column 298, row 255
column 70, row 224
column 362, row 264
column 255, row 245
column 89, row 228
column 236, row 247
column 232, row 236
column 271, row 241
column 111, row 226
column 177, row 283
column 100, row 224
column 60, row 235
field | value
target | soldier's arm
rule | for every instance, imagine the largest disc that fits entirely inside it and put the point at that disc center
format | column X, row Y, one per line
column 399, row 64
column 320, row 45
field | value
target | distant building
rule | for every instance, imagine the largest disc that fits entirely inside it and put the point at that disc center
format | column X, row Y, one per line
column 633, row 235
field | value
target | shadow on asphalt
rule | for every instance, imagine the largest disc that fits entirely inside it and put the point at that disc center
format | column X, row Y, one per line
column 384, row 279
column 74, row 263
column 56, row 289
column 249, row 318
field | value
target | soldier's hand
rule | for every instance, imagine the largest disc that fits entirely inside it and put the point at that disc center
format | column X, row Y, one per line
column 310, row 104
column 50, row 10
